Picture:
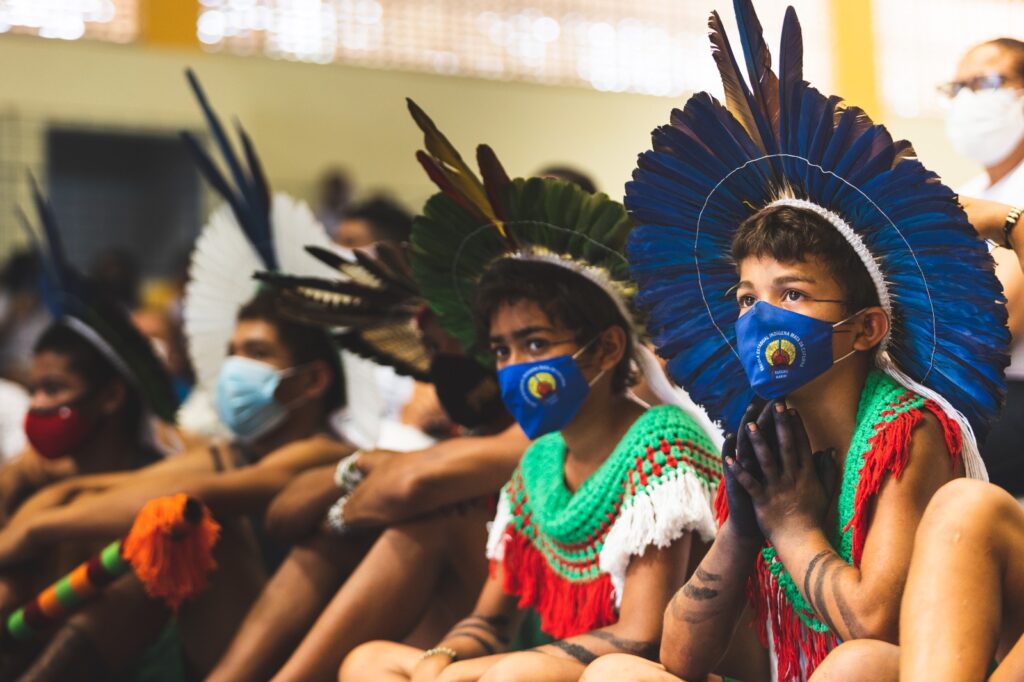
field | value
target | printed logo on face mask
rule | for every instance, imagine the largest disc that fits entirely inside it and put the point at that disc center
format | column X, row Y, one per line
column 542, row 385
column 782, row 351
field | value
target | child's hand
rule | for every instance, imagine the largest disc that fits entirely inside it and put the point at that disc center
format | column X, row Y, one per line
column 738, row 454
column 790, row 496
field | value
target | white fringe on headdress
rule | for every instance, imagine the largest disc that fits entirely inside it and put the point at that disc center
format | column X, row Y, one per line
column 973, row 464
column 657, row 515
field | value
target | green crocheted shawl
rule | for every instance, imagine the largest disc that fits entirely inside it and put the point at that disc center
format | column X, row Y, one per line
column 569, row 528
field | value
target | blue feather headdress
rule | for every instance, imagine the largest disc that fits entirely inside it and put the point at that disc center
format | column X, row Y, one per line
column 73, row 301
column 780, row 141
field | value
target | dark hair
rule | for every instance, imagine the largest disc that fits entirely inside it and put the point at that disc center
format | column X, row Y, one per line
column 1014, row 46
column 566, row 297
column 115, row 275
column 88, row 362
column 306, row 343
column 791, row 235
column 388, row 221
column 21, row 272
column 570, row 174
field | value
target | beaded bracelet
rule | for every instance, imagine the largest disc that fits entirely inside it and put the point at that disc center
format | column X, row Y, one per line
column 347, row 476
column 447, row 651
column 1012, row 218
column 336, row 517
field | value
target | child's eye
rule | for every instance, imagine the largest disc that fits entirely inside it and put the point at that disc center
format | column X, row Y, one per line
column 793, row 295
column 499, row 352
column 745, row 301
column 537, row 345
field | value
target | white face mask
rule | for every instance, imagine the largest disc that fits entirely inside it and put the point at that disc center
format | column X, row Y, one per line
column 986, row 126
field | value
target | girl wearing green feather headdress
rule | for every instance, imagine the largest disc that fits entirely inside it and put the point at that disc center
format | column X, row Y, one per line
column 611, row 500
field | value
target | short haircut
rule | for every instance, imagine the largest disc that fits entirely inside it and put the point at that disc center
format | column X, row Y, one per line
column 566, row 297
column 89, row 363
column 1013, row 46
column 388, row 221
column 306, row 343
column 791, row 235
column 570, row 174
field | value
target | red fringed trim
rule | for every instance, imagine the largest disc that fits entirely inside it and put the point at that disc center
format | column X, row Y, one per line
column 566, row 608
column 721, row 504
column 796, row 645
column 888, row 454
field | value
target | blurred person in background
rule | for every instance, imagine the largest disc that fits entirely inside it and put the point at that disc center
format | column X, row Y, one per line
column 985, row 123
column 23, row 317
column 569, row 174
column 334, row 199
column 376, row 219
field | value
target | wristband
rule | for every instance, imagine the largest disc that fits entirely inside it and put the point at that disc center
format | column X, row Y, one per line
column 336, row 517
column 347, row 476
column 1012, row 218
column 447, row 651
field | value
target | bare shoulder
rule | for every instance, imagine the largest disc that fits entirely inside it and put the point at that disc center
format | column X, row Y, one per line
column 929, row 465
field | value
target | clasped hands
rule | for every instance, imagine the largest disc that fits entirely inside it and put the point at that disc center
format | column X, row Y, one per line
column 776, row 486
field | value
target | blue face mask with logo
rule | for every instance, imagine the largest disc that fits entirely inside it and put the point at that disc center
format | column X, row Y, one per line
column 545, row 395
column 245, row 397
column 782, row 350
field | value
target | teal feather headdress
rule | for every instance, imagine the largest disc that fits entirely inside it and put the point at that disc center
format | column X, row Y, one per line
column 780, row 141
column 73, row 301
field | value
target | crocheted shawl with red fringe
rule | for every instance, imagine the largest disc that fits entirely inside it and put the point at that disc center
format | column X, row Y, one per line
column 565, row 553
column 886, row 418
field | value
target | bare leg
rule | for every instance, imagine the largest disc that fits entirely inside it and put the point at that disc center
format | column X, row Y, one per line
column 615, row 667
column 866, row 660
column 534, row 666
column 964, row 601
column 105, row 638
column 288, row 606
column 208, row 622
column 439, row 556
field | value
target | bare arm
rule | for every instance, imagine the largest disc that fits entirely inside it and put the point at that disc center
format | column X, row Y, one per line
column 300, row 508
column 411, row 484
column 864, row 602
column 651, row 580
column 110, row 514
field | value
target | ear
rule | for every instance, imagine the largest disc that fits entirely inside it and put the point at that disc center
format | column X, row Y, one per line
column 111, row 397
column 874, row 325
column 318, row 380
column 611, row 346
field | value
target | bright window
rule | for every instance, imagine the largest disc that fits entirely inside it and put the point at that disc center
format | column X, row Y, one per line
column 113, row 20
column 656, row 47
column 920, row 42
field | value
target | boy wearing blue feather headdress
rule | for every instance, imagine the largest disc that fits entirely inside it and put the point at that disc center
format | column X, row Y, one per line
column 791, row 252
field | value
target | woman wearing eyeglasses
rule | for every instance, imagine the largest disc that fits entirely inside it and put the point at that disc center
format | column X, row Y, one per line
column 986, row 124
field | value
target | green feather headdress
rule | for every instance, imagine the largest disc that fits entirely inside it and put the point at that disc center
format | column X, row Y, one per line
column 474, row 221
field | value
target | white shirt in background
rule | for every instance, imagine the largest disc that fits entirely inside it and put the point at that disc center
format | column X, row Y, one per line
column 14, row 401
column 1009, row 190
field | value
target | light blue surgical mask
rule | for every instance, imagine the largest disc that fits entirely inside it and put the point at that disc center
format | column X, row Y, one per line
column 245, row 397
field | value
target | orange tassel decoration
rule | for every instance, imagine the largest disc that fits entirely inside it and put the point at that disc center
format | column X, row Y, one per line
column 170, row 548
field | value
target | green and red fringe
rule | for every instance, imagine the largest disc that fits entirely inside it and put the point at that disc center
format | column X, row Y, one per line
column 800, row 648
column 566, row 607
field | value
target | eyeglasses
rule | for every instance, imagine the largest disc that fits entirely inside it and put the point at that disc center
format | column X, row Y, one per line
column 992, row 81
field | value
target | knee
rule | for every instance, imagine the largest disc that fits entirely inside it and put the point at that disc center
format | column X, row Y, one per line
column 364, row 662
column 615, row 667
column 968, row 502
column 524, row 665
column 860, row 659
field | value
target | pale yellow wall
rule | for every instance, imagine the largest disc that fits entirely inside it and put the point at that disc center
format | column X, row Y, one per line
column 305, row 117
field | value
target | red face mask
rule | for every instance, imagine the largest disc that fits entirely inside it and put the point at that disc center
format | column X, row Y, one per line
column 57, row 432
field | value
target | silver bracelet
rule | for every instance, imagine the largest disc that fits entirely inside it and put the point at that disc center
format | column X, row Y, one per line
column 447, row 651
column 347, row 476
column 336, row 517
